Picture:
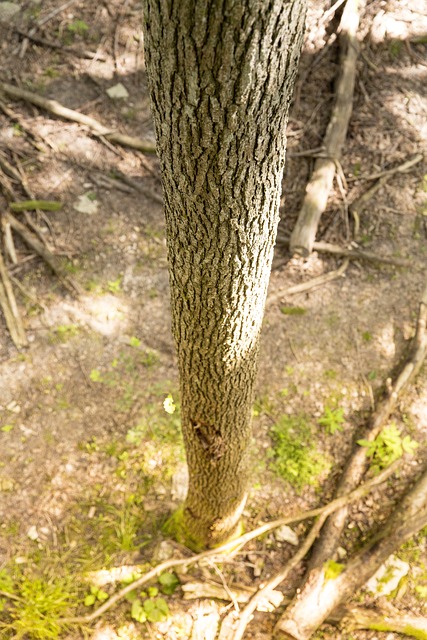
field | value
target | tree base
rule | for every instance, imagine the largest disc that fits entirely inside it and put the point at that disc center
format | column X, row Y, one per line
column 176, row 528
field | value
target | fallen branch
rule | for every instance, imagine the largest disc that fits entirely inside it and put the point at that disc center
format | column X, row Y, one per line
column 57, row 109
column 389, row 620
column 274, row 582
column 320, row 183
column 360, row 492
column 349, row 618
column 86, row 55
column 310, row 609
column 311, row 284
column 34, row 243
column 331, row 533
column 400, row 168
column 356, row 465
column 353, row 253
column 10, row 308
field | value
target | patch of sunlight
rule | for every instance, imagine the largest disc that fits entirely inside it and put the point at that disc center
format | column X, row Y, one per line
column 386, row 342
column 419, row 411
column 206, row 621
column 124, row 632
column 105, row 314
column 386, row 27
column 125, row 573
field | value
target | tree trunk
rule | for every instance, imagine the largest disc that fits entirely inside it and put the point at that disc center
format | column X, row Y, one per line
column 221, row 73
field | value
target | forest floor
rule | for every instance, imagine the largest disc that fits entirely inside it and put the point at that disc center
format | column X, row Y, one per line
column 91, row 464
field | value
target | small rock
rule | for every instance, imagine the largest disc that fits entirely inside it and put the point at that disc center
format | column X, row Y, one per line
column 164, row 551
column 86, row 204
column 32, row 533
column 118, row 91
column 286, row 534
column 8, row 10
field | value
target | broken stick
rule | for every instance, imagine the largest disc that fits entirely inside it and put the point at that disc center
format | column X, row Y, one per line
column 10, row 308
column 57, row 109
column 320, row 184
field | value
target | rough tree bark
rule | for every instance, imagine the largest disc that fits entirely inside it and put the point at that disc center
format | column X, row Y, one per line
column 221, row 73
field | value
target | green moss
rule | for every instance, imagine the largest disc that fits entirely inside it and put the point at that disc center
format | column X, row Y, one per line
column 176, row 528
column 293, row 311
column 295, row 455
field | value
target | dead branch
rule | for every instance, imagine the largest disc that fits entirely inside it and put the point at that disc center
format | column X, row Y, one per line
column 34, row 243
column 400, row 168
column 10, row 308
column 320, row 183
column 331, row 533
column 313, row 605
column 233, row 545
column 353, row 253
column 57, row 109
column 311, row 284
column 274, row 582
column 356, row 465
column 389, row 620
column 78, row 53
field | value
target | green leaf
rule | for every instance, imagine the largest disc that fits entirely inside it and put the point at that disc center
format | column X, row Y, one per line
column 102, row 595
column 169, row 583
column 34, row 205
column 364, row 443
column 134, row 342
column 152, row 592
column 156, row 609
column 138, row 612
column 6, row 428
column 95, row 375
column 89, row 600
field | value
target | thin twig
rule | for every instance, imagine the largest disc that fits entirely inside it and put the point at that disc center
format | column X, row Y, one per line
column 56, row 108
column 277, row 579
column 234, row 544
column 311, row 284
column 10, row 308
column 86, row 55
column 34, row 243
column 400, row 168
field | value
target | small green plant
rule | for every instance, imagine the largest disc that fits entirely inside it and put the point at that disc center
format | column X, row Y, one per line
column 114, row 286
column 80, row 27
column 295, row 456
column 367, row 336
column 168, row 583
column 95, row 375
column 332, row 420
column 36, row 606
column 65, row 332
column 395, row 47
column 151, row 610
column 96, row 594
column 387, row 447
